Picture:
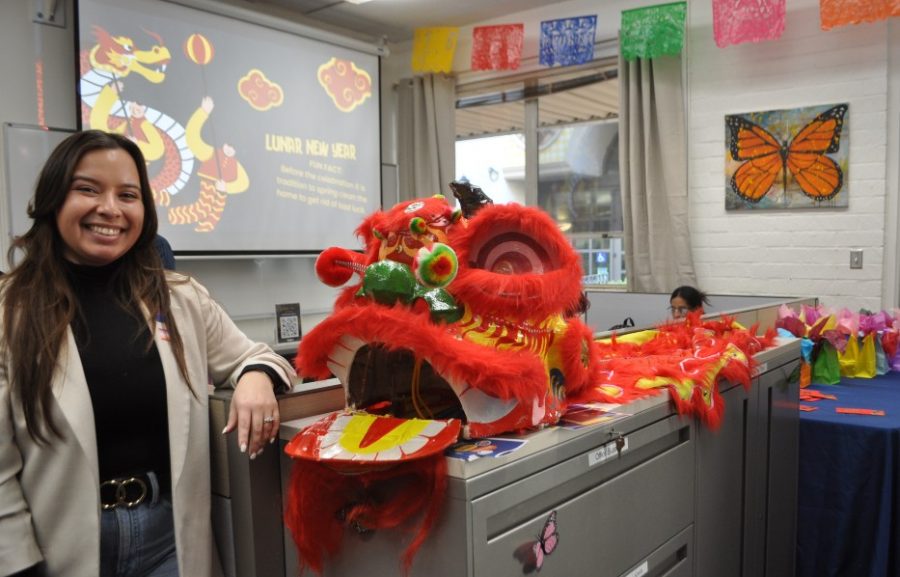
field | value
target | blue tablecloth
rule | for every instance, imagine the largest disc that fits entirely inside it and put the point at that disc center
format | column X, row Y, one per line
column 849, row 486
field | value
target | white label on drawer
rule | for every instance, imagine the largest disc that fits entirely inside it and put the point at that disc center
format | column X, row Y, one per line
column 604, row 452
column 638, row 571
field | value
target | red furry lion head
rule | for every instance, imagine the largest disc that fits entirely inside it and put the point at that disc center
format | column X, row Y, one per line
column 455, row 318
column 456, row 325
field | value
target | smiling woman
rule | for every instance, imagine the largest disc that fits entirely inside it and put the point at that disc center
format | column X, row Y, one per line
column 102, row 215
column 101, row 400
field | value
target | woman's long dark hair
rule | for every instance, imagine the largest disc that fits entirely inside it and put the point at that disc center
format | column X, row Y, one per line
column 694, row 298
column 38, row 301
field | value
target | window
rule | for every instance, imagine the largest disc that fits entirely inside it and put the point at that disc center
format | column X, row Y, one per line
column 494, row 163
column 575, row 172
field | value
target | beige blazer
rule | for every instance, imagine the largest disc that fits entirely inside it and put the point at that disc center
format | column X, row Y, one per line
column 49, row 495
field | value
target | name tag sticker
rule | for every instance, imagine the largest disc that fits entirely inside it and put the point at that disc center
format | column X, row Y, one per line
column 606, row 451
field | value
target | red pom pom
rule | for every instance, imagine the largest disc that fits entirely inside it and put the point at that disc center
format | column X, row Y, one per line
column 335, row 265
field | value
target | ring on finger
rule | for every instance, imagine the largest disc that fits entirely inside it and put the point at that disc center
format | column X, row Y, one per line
column 268, row 419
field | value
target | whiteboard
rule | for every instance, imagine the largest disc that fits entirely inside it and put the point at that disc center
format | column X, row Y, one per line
column 26, row 149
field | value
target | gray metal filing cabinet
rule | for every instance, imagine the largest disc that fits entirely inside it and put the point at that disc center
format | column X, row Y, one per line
column 679, row 499
column 616, row 513
column 246, row 495
column 746, row 518
column 246, row 502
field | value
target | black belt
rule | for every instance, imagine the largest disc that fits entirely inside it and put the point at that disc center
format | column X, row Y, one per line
column 128, row 492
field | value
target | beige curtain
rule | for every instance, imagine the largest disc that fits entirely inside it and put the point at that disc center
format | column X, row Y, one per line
column 426, row 136
column 653, row 170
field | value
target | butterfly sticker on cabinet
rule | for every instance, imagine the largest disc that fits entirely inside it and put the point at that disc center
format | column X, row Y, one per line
column 787, row 158
column 533, row 553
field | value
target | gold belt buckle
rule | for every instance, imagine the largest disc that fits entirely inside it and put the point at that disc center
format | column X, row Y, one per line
column 121, row 487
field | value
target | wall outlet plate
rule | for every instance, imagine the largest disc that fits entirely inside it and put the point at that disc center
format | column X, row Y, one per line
column 856, row 258
column 51, row 12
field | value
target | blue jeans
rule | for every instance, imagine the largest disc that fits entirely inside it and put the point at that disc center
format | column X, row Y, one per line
column 139, row 542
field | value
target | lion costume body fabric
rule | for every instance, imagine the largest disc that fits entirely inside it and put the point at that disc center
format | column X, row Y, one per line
column 458, row 326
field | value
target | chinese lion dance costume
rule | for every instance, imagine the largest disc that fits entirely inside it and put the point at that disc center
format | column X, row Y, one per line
column 460, row 322
column 467, row 323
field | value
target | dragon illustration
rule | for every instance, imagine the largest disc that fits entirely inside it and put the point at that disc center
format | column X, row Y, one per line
column 104, row 67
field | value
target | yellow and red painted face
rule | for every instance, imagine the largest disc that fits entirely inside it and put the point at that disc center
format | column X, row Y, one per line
column 419, row 224
column 359, row 438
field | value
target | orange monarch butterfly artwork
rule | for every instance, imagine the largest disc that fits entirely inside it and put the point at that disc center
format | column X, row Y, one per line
column 793, row 158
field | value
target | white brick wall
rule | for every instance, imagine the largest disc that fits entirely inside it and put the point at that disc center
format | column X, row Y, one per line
column 803, row 253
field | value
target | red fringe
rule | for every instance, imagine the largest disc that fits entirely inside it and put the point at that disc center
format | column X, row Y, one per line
column 322, row 503
column 696, row 352
column 501, row 374
column 577, row 350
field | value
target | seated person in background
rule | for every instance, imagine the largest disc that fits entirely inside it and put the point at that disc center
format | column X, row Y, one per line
column 686, row 299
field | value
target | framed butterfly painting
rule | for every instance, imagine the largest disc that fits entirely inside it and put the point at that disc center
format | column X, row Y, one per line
column 794, row 158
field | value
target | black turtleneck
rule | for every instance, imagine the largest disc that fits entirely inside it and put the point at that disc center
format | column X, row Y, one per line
column 125, row 378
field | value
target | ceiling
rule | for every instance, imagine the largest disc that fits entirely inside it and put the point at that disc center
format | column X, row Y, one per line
column 397, row 19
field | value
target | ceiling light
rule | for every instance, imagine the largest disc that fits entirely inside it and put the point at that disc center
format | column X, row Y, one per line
column 358, row 1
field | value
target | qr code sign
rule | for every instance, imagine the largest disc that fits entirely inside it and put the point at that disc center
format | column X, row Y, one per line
column 289, row 327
